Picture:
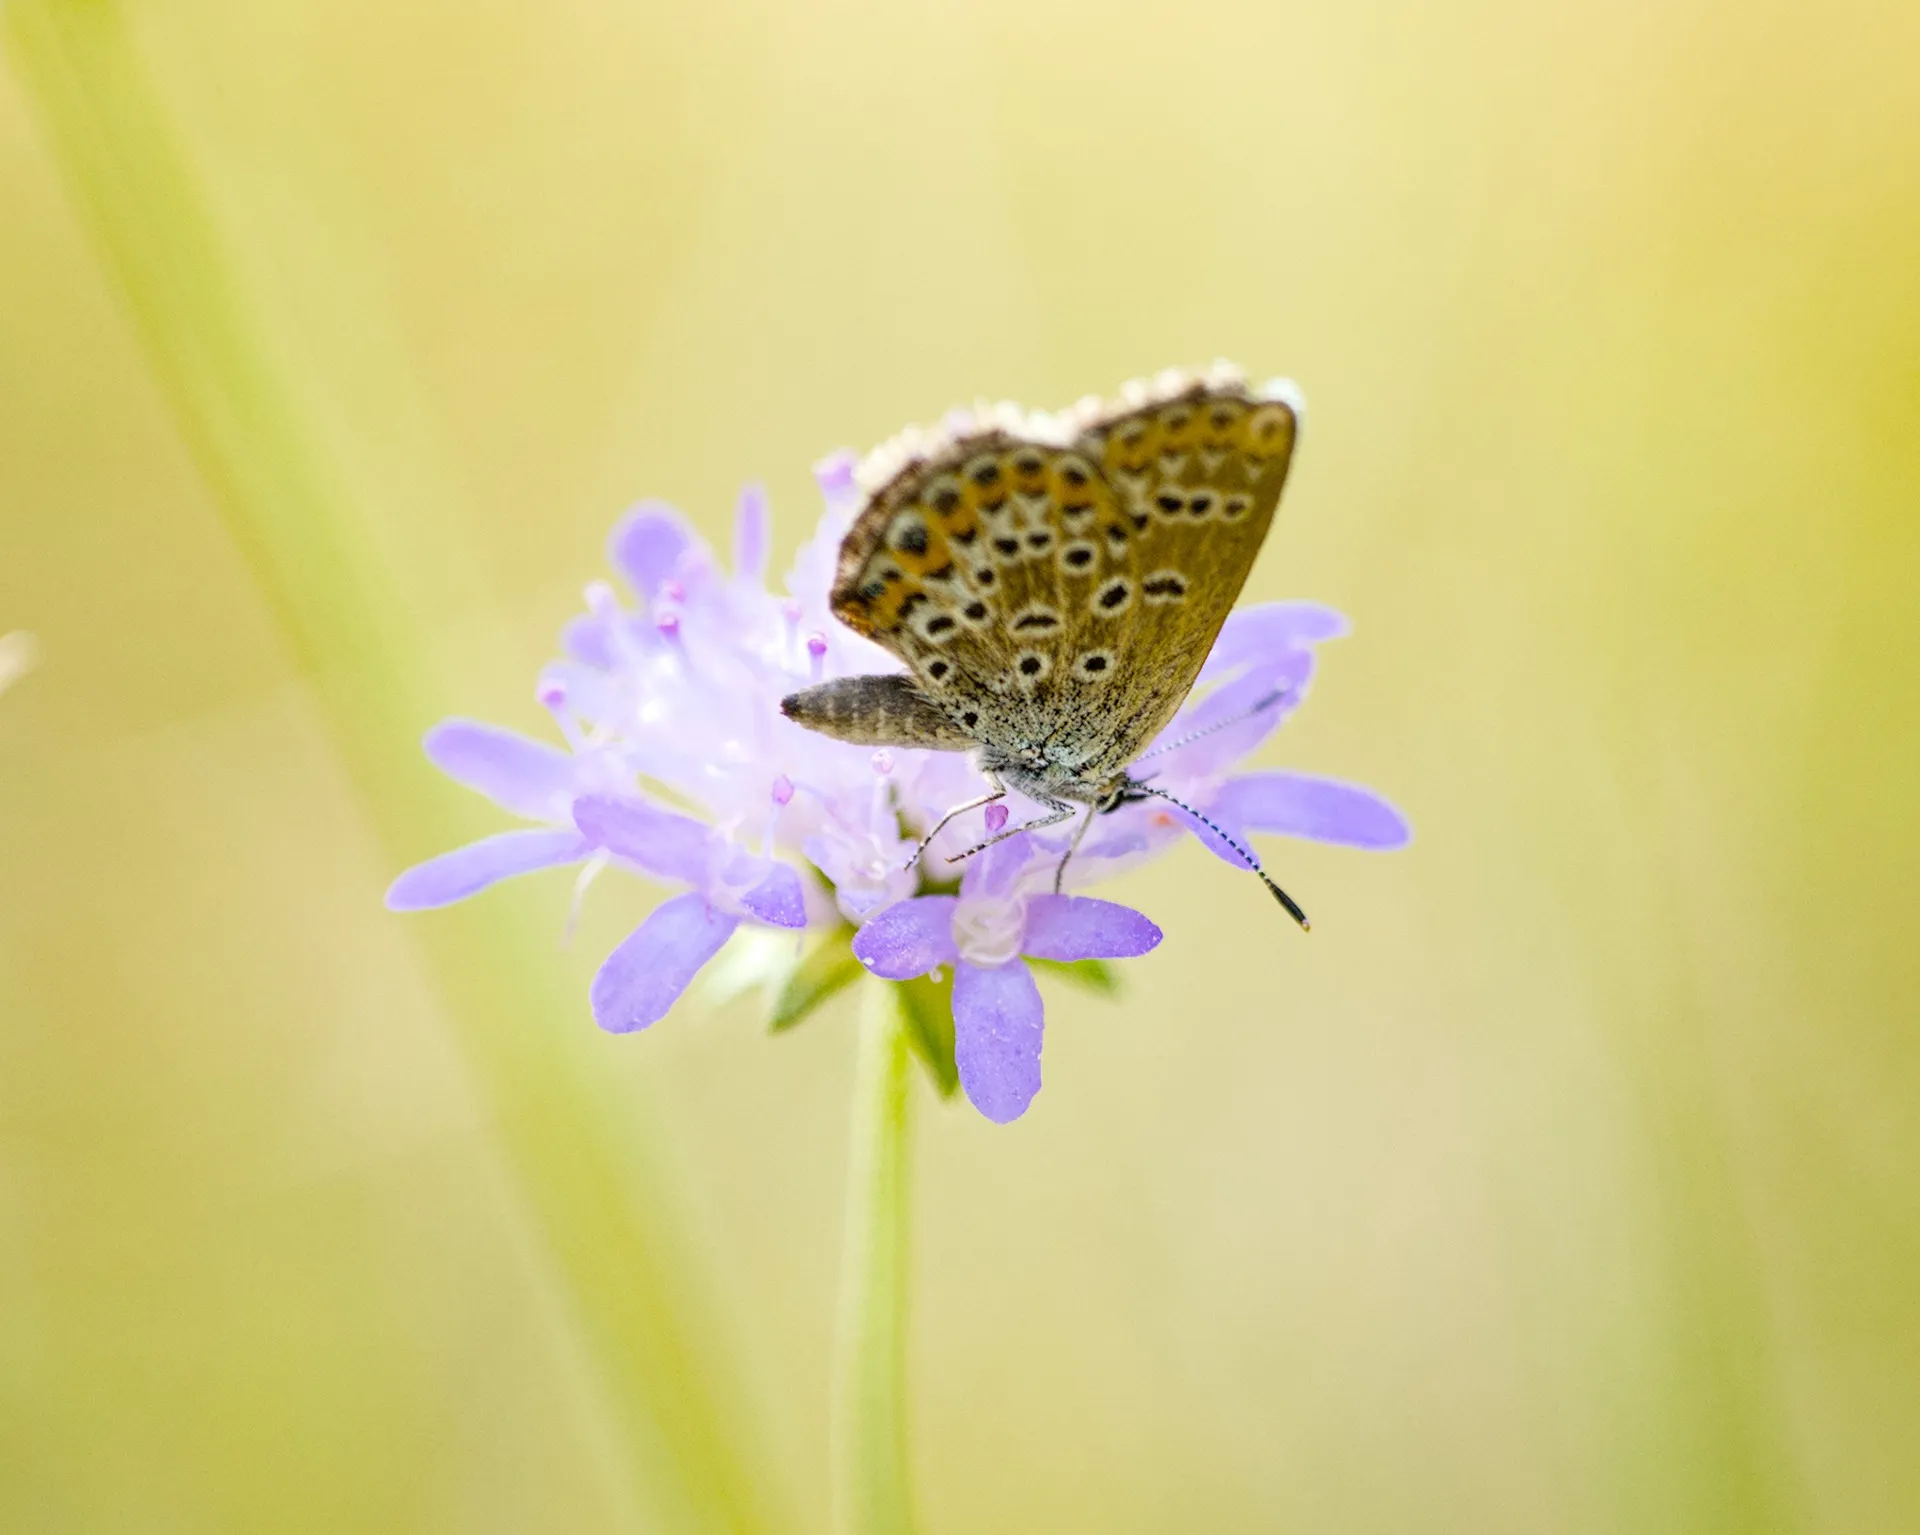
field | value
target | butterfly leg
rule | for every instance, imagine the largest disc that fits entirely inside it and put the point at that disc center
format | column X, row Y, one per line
column 1073, row 847
column 994, row 794
column 1060, row 808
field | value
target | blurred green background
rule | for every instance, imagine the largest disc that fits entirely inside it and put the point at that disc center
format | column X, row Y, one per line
column 1566, row 1179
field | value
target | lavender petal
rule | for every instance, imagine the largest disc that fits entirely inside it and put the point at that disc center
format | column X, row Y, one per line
column 996, row 871
column 468, row 870
column 646, row 974
column 1070, row 927
column 909, row 938
column 777, row 899
column 1220, row 730
column 1323, row 809
column 1225, row 842
column 647, row 544
column 997, row 1029
column 1268, row 630
column 586, row 638
column 528, row 777
column 671, row 846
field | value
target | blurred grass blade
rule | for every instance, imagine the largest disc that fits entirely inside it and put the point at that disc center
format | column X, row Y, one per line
column 1094, row 975
column 926, row 1005
column 871, row 1454
column 239, row 403
column 828, row 967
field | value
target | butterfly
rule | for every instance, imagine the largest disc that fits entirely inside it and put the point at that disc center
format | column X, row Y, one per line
column 1054, row 584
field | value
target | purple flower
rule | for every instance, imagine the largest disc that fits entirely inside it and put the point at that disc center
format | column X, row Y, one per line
column 682, row 692
column 999, row 916
column 676, row 763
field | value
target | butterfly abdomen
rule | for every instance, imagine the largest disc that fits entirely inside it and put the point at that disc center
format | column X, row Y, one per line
column 874, row 711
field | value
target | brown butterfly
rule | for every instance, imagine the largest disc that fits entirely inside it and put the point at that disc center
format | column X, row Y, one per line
column 1055, row 583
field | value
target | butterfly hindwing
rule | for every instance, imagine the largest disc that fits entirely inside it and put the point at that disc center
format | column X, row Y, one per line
column 1199, row 477
column 1062, row 585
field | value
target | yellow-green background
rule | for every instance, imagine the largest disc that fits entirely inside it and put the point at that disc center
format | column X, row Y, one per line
column 1566, row 1179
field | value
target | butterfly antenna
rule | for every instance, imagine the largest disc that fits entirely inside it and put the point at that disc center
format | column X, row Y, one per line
column 1291, row 906
column 1279, row 695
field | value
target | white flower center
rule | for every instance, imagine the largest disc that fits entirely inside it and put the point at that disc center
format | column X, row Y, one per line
column 988, row 930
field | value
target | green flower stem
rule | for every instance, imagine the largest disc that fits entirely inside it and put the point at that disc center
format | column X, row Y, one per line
column 870, row 1483
column 229, row 370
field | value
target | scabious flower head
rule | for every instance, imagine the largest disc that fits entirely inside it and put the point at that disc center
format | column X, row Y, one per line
column 678, row 764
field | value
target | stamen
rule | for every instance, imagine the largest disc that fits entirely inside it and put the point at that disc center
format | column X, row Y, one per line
column 588, row 873
column 553, row 697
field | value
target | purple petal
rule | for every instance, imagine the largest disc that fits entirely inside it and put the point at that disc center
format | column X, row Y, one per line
column 996, row 871
column 1266, row 631
column 528, row 777
column 1223, row 841
column 646, row 974
column 1212, row 744
column 468, row 870
column 997, row 1022
column 751, row 533
column 909, row 938
column 1079, row 927
column 586, row 638
column 1321, row 808
column 672, row 846
column 646, row 546
column 777, row 899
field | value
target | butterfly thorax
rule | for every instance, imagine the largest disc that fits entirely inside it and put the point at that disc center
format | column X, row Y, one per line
column 1032, row 775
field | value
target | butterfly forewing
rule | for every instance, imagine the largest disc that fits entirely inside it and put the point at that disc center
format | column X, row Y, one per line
column 1198, row 477
column 1061, row 595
